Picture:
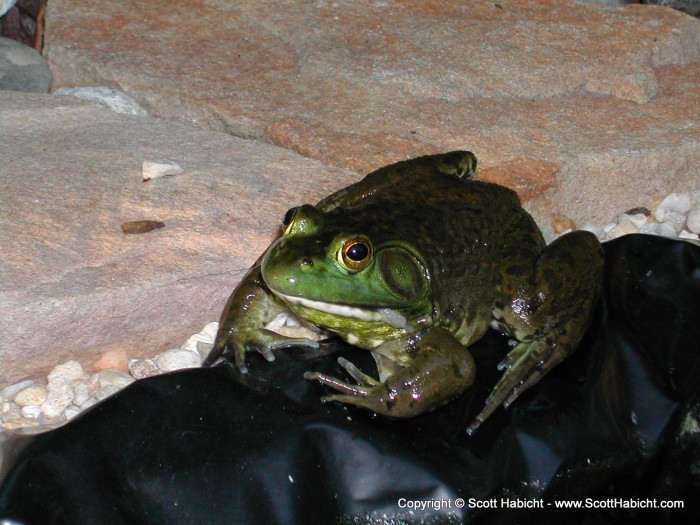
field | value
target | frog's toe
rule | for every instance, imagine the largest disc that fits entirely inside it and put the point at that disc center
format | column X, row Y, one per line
column 357, row 374
column 239, row 360
column 348, row 390
column 266, row 353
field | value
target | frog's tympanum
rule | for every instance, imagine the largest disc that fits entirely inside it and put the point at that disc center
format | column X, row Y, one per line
column 414, row 263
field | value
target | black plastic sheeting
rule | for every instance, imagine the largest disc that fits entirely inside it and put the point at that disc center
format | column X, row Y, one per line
column 616, row 423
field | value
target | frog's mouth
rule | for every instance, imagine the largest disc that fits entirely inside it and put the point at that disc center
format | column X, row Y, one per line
column 385, row 315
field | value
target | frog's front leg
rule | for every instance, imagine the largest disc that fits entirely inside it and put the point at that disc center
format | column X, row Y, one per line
column 547, row 313
column 441, row 369
column 242, row 325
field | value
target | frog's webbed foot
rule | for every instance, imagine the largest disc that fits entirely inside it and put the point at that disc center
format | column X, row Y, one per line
column 441, row 370
column 524, row 366
column 367, row 392
column 262, row 341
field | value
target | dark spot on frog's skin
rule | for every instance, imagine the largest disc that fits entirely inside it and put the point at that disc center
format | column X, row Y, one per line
column 549, row 275
column 515, row 270
column 470, row 211
column 307, row 262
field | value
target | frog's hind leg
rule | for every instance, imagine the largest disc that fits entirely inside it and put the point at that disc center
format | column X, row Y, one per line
column 524, row 366
column 548, row 315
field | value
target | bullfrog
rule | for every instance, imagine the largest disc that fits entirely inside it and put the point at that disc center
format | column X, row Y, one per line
column 414, row 263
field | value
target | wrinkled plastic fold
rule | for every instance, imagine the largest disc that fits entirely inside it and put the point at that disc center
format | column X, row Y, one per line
column 616, row 422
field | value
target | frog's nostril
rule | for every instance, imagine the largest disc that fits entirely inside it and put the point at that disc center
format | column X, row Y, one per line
column 306, row 263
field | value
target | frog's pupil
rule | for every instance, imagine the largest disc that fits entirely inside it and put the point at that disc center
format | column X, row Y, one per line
column 289, row 216
column 358, row 252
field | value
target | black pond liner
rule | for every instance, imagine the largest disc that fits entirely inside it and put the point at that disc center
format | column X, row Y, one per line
column 616, row 423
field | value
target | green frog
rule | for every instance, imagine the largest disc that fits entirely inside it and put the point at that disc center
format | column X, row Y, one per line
column 415, row 263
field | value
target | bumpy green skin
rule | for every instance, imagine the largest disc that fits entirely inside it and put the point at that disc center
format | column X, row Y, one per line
column 447, row 257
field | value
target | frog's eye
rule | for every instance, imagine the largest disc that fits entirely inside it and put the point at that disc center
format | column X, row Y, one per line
column 289, row 218
column 355, row 254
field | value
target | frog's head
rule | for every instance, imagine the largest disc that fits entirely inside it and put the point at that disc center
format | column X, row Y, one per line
column 342, row 279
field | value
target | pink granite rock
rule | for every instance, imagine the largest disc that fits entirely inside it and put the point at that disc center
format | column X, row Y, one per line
column 72, row 285
column 580, row 105
column 116, row 359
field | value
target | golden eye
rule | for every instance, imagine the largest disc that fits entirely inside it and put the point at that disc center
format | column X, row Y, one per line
column 289, row 218
column 356, row 254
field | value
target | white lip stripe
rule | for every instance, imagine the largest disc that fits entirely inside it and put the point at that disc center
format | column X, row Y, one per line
column 386, row 315
column 335, row 309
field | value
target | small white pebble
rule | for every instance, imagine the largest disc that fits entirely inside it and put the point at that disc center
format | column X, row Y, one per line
column 67, row 372
column 31, row 411
column 105, row 392
column 638, row 219
column 72, row 411
column 16, row 424
column 690, row 236
column 204, row 340
column 14, row 413
column 33, row 395
column 177, row 359
column 114, row 377
column 655, row 228
column 141, row 368
column 87, row 404
column 675, row 220
column 59, row 396
column 693, row 220
column 81, row 393
column 624, row 228
column 154, row 169
column 675, row 203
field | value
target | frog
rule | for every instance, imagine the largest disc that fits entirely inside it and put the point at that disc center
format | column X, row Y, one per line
column 415, row 263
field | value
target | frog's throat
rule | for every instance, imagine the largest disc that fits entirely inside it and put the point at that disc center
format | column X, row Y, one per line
column 386, row 315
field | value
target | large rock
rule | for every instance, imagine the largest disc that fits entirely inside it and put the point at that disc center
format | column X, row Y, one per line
column 584, row 109
column 72, row 285
column 22, row 68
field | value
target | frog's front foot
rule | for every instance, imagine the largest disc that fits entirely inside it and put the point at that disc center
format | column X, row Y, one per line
column 239, row 343
column 441, row 370
column 368, row 392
